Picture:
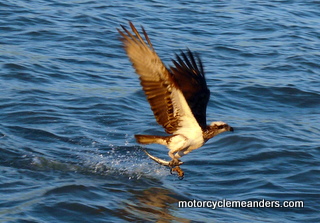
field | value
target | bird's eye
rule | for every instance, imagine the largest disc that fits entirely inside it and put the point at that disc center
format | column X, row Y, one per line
column 220, row 126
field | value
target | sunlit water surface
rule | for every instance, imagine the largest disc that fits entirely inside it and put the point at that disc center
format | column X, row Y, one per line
column 70, row 105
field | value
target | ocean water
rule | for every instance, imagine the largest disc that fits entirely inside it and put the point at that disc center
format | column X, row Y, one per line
column 71, row 103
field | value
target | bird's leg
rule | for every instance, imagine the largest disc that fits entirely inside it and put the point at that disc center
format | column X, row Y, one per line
column 173, row 164
column 175, row 161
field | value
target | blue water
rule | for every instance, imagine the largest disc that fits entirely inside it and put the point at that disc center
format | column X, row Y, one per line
column 71, row 103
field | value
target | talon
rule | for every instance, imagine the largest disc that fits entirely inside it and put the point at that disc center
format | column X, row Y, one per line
column 179, row 171
column 174, row 163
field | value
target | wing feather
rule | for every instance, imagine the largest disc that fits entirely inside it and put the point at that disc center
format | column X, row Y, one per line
column 189, row 75
column 166, row 100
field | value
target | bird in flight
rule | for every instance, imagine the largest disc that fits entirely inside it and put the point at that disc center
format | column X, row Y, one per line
column 178, row 97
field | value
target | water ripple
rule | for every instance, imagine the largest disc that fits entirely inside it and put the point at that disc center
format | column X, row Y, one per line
column 70, row 106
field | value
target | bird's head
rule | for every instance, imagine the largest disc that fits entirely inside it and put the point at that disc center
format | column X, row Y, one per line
column 220, row 127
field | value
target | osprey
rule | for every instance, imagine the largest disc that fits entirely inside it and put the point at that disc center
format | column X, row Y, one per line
column 178, row 97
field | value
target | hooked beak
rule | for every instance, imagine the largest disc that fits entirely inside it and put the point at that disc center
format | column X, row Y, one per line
column 230, row 129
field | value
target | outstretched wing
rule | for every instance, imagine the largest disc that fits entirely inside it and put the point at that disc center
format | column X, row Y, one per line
column 166, row 100
column 189, row 75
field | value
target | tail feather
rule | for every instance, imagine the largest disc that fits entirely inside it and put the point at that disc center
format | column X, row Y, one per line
column 148, row 139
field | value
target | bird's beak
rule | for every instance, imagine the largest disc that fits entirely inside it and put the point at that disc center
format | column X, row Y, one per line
column 230, row 129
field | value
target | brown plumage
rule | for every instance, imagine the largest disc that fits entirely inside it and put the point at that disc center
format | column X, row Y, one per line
column 189, row 75
column 155, row 78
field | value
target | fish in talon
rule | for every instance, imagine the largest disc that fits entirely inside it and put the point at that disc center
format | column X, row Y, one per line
column 161, row 161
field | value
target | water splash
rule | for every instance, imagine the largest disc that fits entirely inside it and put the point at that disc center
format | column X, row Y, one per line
column 130, row 162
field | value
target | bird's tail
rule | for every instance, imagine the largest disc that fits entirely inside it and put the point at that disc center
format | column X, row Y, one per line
column 148, row 139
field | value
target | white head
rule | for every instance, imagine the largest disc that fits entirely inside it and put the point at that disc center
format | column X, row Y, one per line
column 221, row 127
column 216, row 128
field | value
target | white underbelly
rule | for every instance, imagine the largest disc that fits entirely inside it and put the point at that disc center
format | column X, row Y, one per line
column 183, row 145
